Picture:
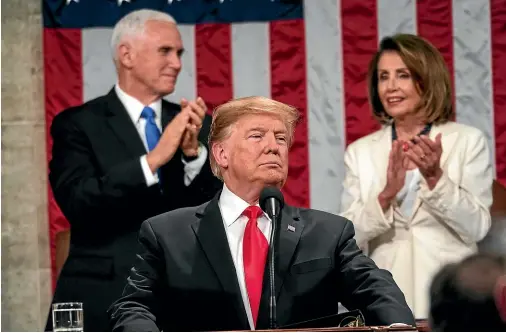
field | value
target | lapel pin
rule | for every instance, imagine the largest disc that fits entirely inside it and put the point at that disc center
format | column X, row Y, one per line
column 291, row 228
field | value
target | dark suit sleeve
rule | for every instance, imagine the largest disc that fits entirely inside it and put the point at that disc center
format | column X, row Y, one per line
column 138, row 308
column 205, row 185
column 79, row 190
column 368, row 288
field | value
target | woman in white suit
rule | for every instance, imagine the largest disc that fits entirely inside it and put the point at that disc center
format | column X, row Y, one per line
column 419, row 189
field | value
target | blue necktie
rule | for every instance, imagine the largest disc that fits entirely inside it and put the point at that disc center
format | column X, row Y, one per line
column 152, row 131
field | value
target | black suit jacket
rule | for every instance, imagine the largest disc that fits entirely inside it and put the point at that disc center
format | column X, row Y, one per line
column 97, row 180
column 184, row 278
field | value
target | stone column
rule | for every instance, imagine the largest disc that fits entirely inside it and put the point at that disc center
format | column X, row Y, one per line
column 26, row 281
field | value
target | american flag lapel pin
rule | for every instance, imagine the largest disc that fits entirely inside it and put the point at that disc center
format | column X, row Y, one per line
column 291, row 228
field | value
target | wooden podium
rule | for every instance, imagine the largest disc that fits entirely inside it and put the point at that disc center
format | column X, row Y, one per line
column 421, row 326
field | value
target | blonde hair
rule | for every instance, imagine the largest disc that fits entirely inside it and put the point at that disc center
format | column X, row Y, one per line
column 430, row 75
column 227, row 115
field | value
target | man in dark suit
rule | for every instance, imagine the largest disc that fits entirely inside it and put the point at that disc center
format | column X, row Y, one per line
column 202, row 268
column 124, row 157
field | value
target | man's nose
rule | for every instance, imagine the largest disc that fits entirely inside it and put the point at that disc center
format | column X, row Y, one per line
column 272, row 144
column 175, row 62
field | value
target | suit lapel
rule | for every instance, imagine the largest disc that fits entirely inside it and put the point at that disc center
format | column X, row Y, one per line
column 379, row 156
column 448, row 140
column 288, row 237
column 211, row 235
column 121, row 123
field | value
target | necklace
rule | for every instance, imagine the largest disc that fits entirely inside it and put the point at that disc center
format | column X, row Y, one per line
column 424, row 131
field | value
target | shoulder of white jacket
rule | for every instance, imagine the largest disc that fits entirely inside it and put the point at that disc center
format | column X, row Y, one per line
column 366, row 140
column 451, row 127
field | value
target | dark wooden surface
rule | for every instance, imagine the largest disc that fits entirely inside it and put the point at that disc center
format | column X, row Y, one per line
column 421, row 326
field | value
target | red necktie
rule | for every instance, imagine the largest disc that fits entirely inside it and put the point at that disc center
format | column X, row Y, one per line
column 255, row 249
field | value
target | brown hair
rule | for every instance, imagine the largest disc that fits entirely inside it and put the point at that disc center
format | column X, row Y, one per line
column 226, row 115
column 429, row 72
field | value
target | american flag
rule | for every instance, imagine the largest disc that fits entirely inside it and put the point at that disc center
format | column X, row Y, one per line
column 311, row 54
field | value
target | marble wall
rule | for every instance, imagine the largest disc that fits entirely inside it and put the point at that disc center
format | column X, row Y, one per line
column 26, row 280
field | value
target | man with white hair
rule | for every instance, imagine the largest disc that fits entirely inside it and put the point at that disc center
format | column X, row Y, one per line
column 124, row 157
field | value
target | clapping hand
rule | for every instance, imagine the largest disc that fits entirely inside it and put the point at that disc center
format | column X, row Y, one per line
column 197, row 111
column 396, row 175
column 169, row 141
column 426, row 154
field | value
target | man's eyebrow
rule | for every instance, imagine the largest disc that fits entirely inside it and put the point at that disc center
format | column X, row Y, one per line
column 261, row 129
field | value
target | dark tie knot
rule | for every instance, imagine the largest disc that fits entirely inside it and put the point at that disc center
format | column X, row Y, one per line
column 252, row 212
column 148, row 113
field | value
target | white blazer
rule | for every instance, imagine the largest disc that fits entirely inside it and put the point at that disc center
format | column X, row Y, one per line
column 445, row 224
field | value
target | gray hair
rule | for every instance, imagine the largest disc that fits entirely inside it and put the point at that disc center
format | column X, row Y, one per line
column 133, row 24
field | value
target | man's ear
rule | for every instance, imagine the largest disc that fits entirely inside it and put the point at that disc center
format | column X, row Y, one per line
column 220, row 154
column 126, row 55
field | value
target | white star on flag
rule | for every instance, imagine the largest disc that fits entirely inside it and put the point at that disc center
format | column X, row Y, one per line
column 121, row 1
column 69, row 1
column 171, row 1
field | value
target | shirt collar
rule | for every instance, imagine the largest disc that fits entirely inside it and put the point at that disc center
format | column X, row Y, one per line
column 232, row 206
column 134, row 107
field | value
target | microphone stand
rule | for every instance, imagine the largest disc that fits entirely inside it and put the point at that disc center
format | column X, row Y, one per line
column 272, row 284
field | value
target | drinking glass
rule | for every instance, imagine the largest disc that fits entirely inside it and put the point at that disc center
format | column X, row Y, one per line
column 68, row 317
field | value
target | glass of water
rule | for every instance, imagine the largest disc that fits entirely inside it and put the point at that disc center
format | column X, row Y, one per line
column 68, row 317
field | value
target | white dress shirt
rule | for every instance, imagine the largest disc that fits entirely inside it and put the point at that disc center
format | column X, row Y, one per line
column 232, row 207
column 134, row 108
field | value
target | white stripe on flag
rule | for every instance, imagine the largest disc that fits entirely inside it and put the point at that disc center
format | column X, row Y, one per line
column 99, row 74
column 396, row 17
column 325, row 99
column 186, row 86
column 473, row 70
column 251, row 59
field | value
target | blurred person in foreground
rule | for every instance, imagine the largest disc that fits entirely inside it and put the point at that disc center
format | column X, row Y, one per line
column 470, row 296
column 124, row 157
column 203, row 268
column 418, row 190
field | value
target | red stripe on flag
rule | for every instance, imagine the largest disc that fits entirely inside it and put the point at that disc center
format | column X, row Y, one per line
column 288, row 85
column 498, row 32
column 63, row 81
column 434, row 18
column 214, row 63
column 360, row 42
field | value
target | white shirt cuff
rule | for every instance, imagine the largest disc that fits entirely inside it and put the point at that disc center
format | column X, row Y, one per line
column 151, row 178
column 192, row 169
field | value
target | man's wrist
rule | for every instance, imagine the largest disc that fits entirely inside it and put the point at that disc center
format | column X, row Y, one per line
column 153, row 161
column 190, row 157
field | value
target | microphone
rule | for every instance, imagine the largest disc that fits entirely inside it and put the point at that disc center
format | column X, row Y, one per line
column 271, row 202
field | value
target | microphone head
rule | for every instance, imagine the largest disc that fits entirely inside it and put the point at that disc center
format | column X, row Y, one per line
column 271, row 192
